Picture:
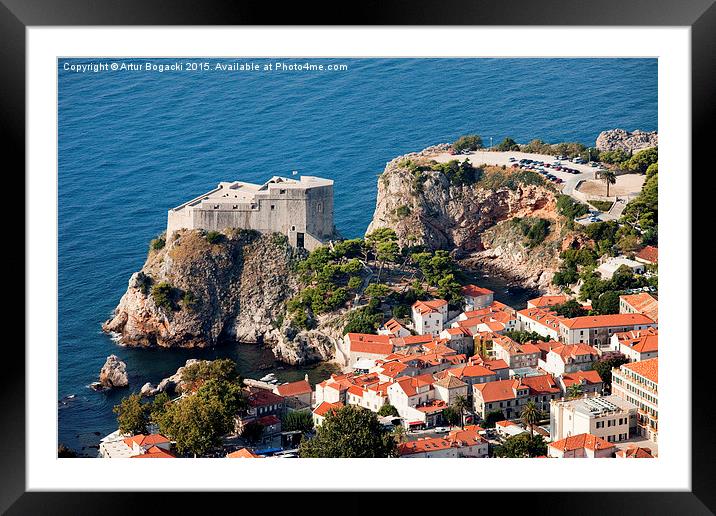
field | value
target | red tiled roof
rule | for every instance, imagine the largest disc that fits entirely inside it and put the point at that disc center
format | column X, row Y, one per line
column 325, row 407
column 635, row 452
column 649, row 254
column 497, row 391
column 423, row 445
column 576, row 442
column 294, row 388
column 155, row 452
column 547, row 301
column 262, row 397
column 606, row 321
column 568, row 351
column 543, row 384
column 649, row 369
column 642, row 341
column 243, row 453
column 590, row 377
column 268, row 420
column 424, row 307
column 643, row 303
column 475, row 291
column 369, row 343
column 146, row 440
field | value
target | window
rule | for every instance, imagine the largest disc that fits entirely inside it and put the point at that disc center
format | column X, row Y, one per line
column 273, row 207
column 282, row 192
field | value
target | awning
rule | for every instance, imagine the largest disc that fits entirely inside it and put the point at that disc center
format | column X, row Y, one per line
column 417, row 423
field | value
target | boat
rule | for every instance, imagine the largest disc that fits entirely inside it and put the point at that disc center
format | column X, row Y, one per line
column 269, row 378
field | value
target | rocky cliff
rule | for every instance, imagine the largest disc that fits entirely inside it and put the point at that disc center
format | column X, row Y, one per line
column 425, row 207
column 200, row 290
column 627, row 141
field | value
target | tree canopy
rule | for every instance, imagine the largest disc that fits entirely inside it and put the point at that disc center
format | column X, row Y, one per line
column 522, row 445
column 350, row 432
column 132, row 415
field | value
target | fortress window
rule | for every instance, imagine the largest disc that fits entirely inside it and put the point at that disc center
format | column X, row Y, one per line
column 273, row 207
column 236, row 206
column 293, row 228
column 282, row 192
column 216, row 206
column 319, row 207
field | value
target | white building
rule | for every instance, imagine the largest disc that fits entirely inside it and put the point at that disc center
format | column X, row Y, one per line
column 430, row 316
column 582, row 446
column 477, row 297
column 569, row 358
column 540, row 320
column 610, row 266
column 638, row 383
column 610, row 418
column 597, row 330
column 637, row 345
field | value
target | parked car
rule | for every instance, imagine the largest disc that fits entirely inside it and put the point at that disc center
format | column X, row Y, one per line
column 512, row 159
column 441, row 430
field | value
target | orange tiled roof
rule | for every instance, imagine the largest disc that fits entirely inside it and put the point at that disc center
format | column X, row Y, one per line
column 155, row 452
column 424, row 445
column 547, row 301
column 325, row 407
column 543, row 316
column 474, row 291
column 294, row 388
column 543, row 384
column 635, row 452
column 424, row 307
column 568, row 351
column 146, row 440
column 590, row 377
column 243, row 453
column 369, row 343
column 642, row 341
column 498, row 391
column 649, row 369
column 576, row 442
column 606, row 321
column 643, row 303
column 649, row 254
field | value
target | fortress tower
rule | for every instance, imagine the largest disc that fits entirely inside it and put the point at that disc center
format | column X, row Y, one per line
column 301, row 209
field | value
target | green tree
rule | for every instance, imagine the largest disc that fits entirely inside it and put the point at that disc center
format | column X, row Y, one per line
column 164, row 296
column 508, row 144
column 157, row 243
column 522, row 445
column 252, row 432
column 351, row 432
column 451, row 415
column 222, row 369
column 609, row 177
column 132, row 415
column 462, row 405
column 604, row 367
column 570, row 309
column 606, row 303
column 642, row 160
column 388, row 410
column 468, row 142
column 297, row 420
column 575, row 391
column 493, row 417
column 531, row 415
column 399, row 434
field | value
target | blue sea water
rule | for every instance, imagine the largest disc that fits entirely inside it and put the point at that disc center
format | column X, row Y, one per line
column 133, row 144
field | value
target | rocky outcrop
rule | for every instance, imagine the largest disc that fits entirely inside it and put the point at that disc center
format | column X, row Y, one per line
column 626, row 141
column 113, row 373
column 194, row 293
column 438, row 214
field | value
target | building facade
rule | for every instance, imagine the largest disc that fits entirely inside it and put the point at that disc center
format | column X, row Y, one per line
column 301, row 209
column 638, row 383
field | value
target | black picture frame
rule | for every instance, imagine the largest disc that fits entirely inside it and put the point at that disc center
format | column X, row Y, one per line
column 17, row 15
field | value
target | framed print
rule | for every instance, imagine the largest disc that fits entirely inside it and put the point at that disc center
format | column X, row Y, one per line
column 354, row 246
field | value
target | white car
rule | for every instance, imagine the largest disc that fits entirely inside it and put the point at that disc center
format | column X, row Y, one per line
column 441, row 430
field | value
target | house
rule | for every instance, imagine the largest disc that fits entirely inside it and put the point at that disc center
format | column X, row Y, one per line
column 542, row 390
column 649, row 255
column 641, row 303
column 581, row 446
column 637, row 345
column 508, row 428
column 458, row 339
column 597, row 330
column 411, row 343
column 477, row 297
column 568, row 358
column 497, row 317
column 612, row 264
column 449, row 388
column 506, row 396
column 607, row 417
column 471, row 374
column 589, row 381
column 260, row 403
column 429, row 316
column 539, row 320
column 634, row 452
column 117, row 446
column 638, row 383
column 366, row 345
column 242, row 453
column 514, row 354
column 297, row 395
column 322, row 410
column 458, row 443
column 393, row 328
column 155, row 452
column 546, row 301
column 409, row 394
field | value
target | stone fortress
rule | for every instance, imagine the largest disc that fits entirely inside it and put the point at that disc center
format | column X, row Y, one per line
column 301, row 209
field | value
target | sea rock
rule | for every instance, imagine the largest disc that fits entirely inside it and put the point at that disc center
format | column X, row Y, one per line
column 148, row 390
column 175, row 384
column 113, row 373
column 626, row 141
